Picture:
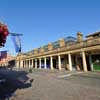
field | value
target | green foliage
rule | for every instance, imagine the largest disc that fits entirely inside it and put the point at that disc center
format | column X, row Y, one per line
column 96, row 67
column 30, row 70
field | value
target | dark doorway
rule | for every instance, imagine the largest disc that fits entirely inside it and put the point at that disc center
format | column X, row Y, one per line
column 88, row 63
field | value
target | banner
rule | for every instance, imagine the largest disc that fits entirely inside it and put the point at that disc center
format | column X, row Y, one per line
column 3, row 54
column 17, row 42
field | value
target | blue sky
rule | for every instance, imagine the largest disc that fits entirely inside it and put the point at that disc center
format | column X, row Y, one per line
column 43, row 21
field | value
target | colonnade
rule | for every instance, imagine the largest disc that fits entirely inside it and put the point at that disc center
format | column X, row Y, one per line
column 37, row 62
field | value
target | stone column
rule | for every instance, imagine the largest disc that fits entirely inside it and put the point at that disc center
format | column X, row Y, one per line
column 26, row 63
column 70, row 62
column 17, row 64
column 29, row 64
column 32, row 63
column 21, row 63
column 40, row 63
column 35, row 63
column 51, row 63
column 84, row 61
column 45, row 63
column 59, row 62
column 90, row 61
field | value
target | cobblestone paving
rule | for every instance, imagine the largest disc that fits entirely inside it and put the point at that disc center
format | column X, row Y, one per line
column 47, row 86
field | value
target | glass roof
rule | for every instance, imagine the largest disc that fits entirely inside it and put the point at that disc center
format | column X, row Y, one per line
column 68, row 41
column 56, row 44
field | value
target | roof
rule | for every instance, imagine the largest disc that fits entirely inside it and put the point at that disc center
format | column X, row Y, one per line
column 68, row 40
column 94, row 34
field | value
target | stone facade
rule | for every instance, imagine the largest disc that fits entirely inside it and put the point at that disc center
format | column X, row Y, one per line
column 64, row 54
column 4, row 62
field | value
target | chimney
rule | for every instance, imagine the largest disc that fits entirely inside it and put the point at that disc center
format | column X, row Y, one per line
column 62, row 42
column 41, row 50
column 50, row 46
column 79, row 37
column 36, row 51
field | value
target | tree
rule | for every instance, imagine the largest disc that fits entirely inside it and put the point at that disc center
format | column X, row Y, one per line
column 3, row 34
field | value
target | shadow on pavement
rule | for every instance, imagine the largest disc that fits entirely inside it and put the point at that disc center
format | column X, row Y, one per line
column 13, row 80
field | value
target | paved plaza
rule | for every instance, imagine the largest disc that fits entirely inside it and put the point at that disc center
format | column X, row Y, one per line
column 48, row 85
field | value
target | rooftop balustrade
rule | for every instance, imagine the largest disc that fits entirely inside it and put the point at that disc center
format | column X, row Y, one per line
column 74, row 46
column 69, row 46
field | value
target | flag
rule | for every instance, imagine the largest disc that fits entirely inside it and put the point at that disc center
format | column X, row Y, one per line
column 17, row 42
column 3, row 54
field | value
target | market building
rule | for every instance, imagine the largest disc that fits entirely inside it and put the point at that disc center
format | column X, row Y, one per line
column 67, row 53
